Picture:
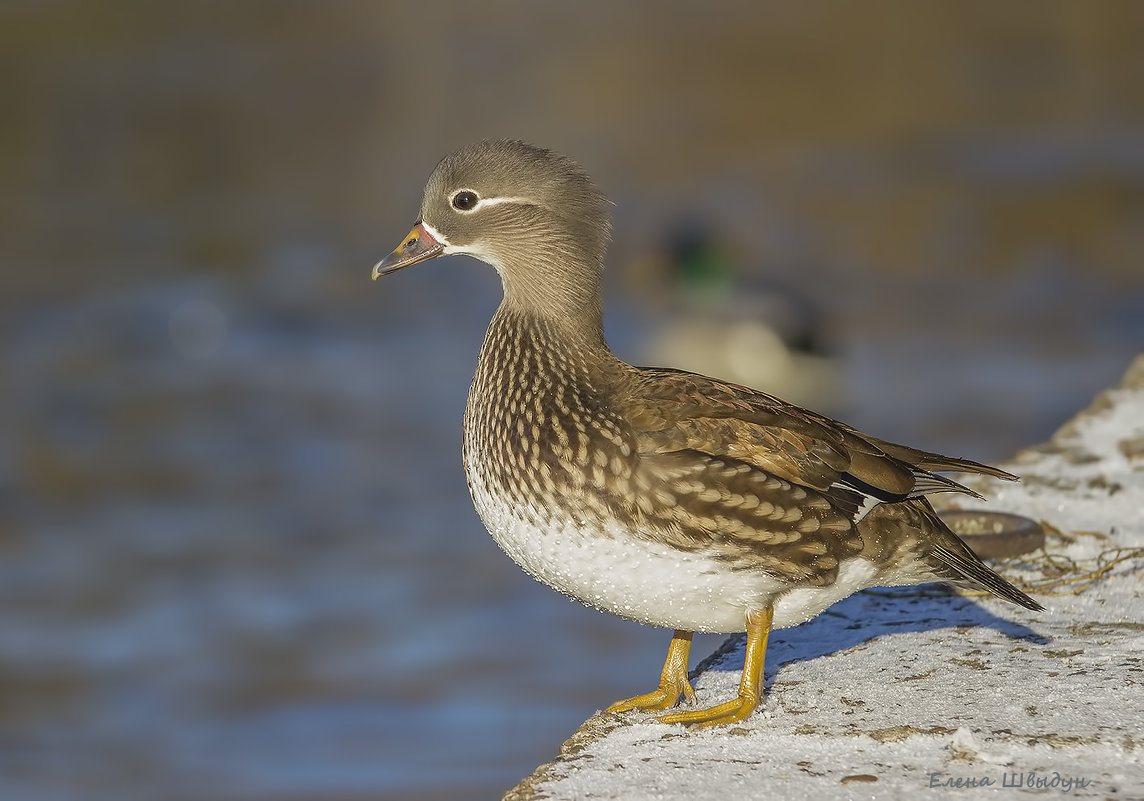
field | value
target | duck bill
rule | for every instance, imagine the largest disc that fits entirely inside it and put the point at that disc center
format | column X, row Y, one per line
column 419, row 245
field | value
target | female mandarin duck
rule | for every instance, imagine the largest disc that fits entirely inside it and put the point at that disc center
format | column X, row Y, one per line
column 658, row 495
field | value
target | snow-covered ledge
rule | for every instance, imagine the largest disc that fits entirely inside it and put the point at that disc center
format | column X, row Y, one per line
column 896, row 694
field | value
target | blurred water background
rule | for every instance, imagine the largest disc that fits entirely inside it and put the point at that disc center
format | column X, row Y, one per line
column 237, row 555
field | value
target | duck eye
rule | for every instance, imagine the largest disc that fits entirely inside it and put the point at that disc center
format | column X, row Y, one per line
column 465, row 200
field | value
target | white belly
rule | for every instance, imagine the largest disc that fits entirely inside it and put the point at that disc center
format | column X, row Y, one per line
column 615, row 571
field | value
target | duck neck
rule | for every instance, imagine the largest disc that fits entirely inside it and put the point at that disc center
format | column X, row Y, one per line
column 566, row 298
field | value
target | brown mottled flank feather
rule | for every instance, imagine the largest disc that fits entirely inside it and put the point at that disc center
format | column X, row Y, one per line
column 724, row 442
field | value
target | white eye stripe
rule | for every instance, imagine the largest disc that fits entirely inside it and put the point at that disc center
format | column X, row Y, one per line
column 485, row 201
column 492, row 201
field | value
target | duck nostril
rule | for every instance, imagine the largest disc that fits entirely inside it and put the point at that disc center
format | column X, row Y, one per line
column 410, row 243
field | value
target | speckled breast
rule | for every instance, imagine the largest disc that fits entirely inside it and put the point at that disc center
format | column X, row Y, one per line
column 553, row 475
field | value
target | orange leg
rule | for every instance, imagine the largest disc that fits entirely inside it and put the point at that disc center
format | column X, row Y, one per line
column 672, row 681
column 750, row 686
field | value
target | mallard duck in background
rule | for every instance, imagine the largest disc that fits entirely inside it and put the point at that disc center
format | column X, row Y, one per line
column 719, row 321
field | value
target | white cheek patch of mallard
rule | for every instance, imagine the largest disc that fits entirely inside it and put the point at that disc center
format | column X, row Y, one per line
column 609, row 568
